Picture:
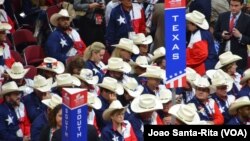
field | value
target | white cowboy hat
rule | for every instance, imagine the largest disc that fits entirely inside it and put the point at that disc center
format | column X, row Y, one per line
column 145, row 103
column 245, row 76
column 192, row 75
column 115, row 105
column 53, row 101
column 1, row 2
column 140, row 39
column 185, row 113
column 112, row 85
column 4, row 26
column 220, row 78
column 66, row 79
column 9, row 87
column 226, row 58
column 51, row 64
column 141, row 61
column 117, row 64
column 128, row 45
column 198, row 19
column 153, row 72
column 62, row 13
column 42, row 84
column 203, row 83
column 132, row 87
column 86, row 75
column 159, row 52
column 94, row 101
column 238, row 103
column 17, row 71
column 165, row 95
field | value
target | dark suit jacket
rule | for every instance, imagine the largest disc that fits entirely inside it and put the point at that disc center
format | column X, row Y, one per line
column 91, row 136
column 237, row 47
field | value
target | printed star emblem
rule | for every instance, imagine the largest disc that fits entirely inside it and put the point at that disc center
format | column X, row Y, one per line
column 115, row 138
column 95, row 70
column 9, row 119
column 121, row 20
column 142, row 129
column 63, row 43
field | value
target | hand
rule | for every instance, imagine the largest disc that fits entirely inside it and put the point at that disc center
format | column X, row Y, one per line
column 94, row 5
column 236, row 33
column 26, row 138
column 225, row 35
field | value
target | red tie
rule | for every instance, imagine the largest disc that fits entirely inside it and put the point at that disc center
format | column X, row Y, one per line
column 231, row 25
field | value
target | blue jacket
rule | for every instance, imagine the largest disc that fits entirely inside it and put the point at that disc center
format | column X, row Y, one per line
column 235, row 121
column 34, row 106
column 8, row 123
column 138, row 126
column 146, row 90
column 36, row 127
column 96, row 70
column 245, row 91
column 100, row 122
column 115, row 29
column 58, row 44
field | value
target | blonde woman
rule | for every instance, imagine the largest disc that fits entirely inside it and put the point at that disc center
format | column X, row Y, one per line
column 93, row 56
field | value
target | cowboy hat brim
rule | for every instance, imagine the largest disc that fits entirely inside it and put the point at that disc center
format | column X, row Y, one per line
column 46, row 88
column 1, row 2
column 204, row 25
column 158, row 75
column 135, row 107
column 135, row 49
column 135, row 93
column 148, row 41
column 119, row 89
column 234, row 106
column 244, row 79
column 125, row 69
column 75, row 82
column 58, row 70
column 97, row 103
column 107, row 112
column 231, row 60
column 9, row 91
column 17, row 76
column 93, row 81
column 174, row 111
column 54, row 18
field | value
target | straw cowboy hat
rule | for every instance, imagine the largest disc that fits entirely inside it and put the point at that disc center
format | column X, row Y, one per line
column 153, row 72
column 42, row 84
column 1, row 2
column 86, row 75
column 112, row 85
column 51, row 64
column 94, row 101
column 192, row 75
column 245, row 76
column 66, row 79
column 146, row 103
column 4, row 26
column 203, row 83
column 128, row 45
column 159, row 52
column 238, row 103
column 220, row 78
column 185, row 113
column 140, row 39
column 132, row 87
column 9, row 87
column 115, row 105
column 198, row 19
column 117, row 64
column 62, row 13
column 141, row 61
column 17, row 71
column 226, row 58
column 165, row 95
column 53, row 101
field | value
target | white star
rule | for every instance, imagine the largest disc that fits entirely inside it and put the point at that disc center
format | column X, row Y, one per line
column 63, row 43
column 170, row 76
column 180, row 72
column 142, row 128
column 121, row 20
column 95, row 70
column 175, row 74
column 115, row 138
column 9, row 119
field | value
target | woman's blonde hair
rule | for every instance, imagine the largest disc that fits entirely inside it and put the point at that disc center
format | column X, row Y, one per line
column 94, row 47
column 116, row 53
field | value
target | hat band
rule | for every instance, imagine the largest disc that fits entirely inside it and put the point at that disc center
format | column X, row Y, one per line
column 50, row 65
column 146, row 107
column 17, row 72
column 41, row 86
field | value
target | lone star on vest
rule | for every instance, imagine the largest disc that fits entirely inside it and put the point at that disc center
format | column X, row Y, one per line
column 63, row 43
column 121, row 20
column 9, row 119
column 115, row 138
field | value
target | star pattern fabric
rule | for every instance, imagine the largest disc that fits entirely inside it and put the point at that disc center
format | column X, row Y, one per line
column 63, row 43
column 115, row 138
column 121, row 20
column 9, row 119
